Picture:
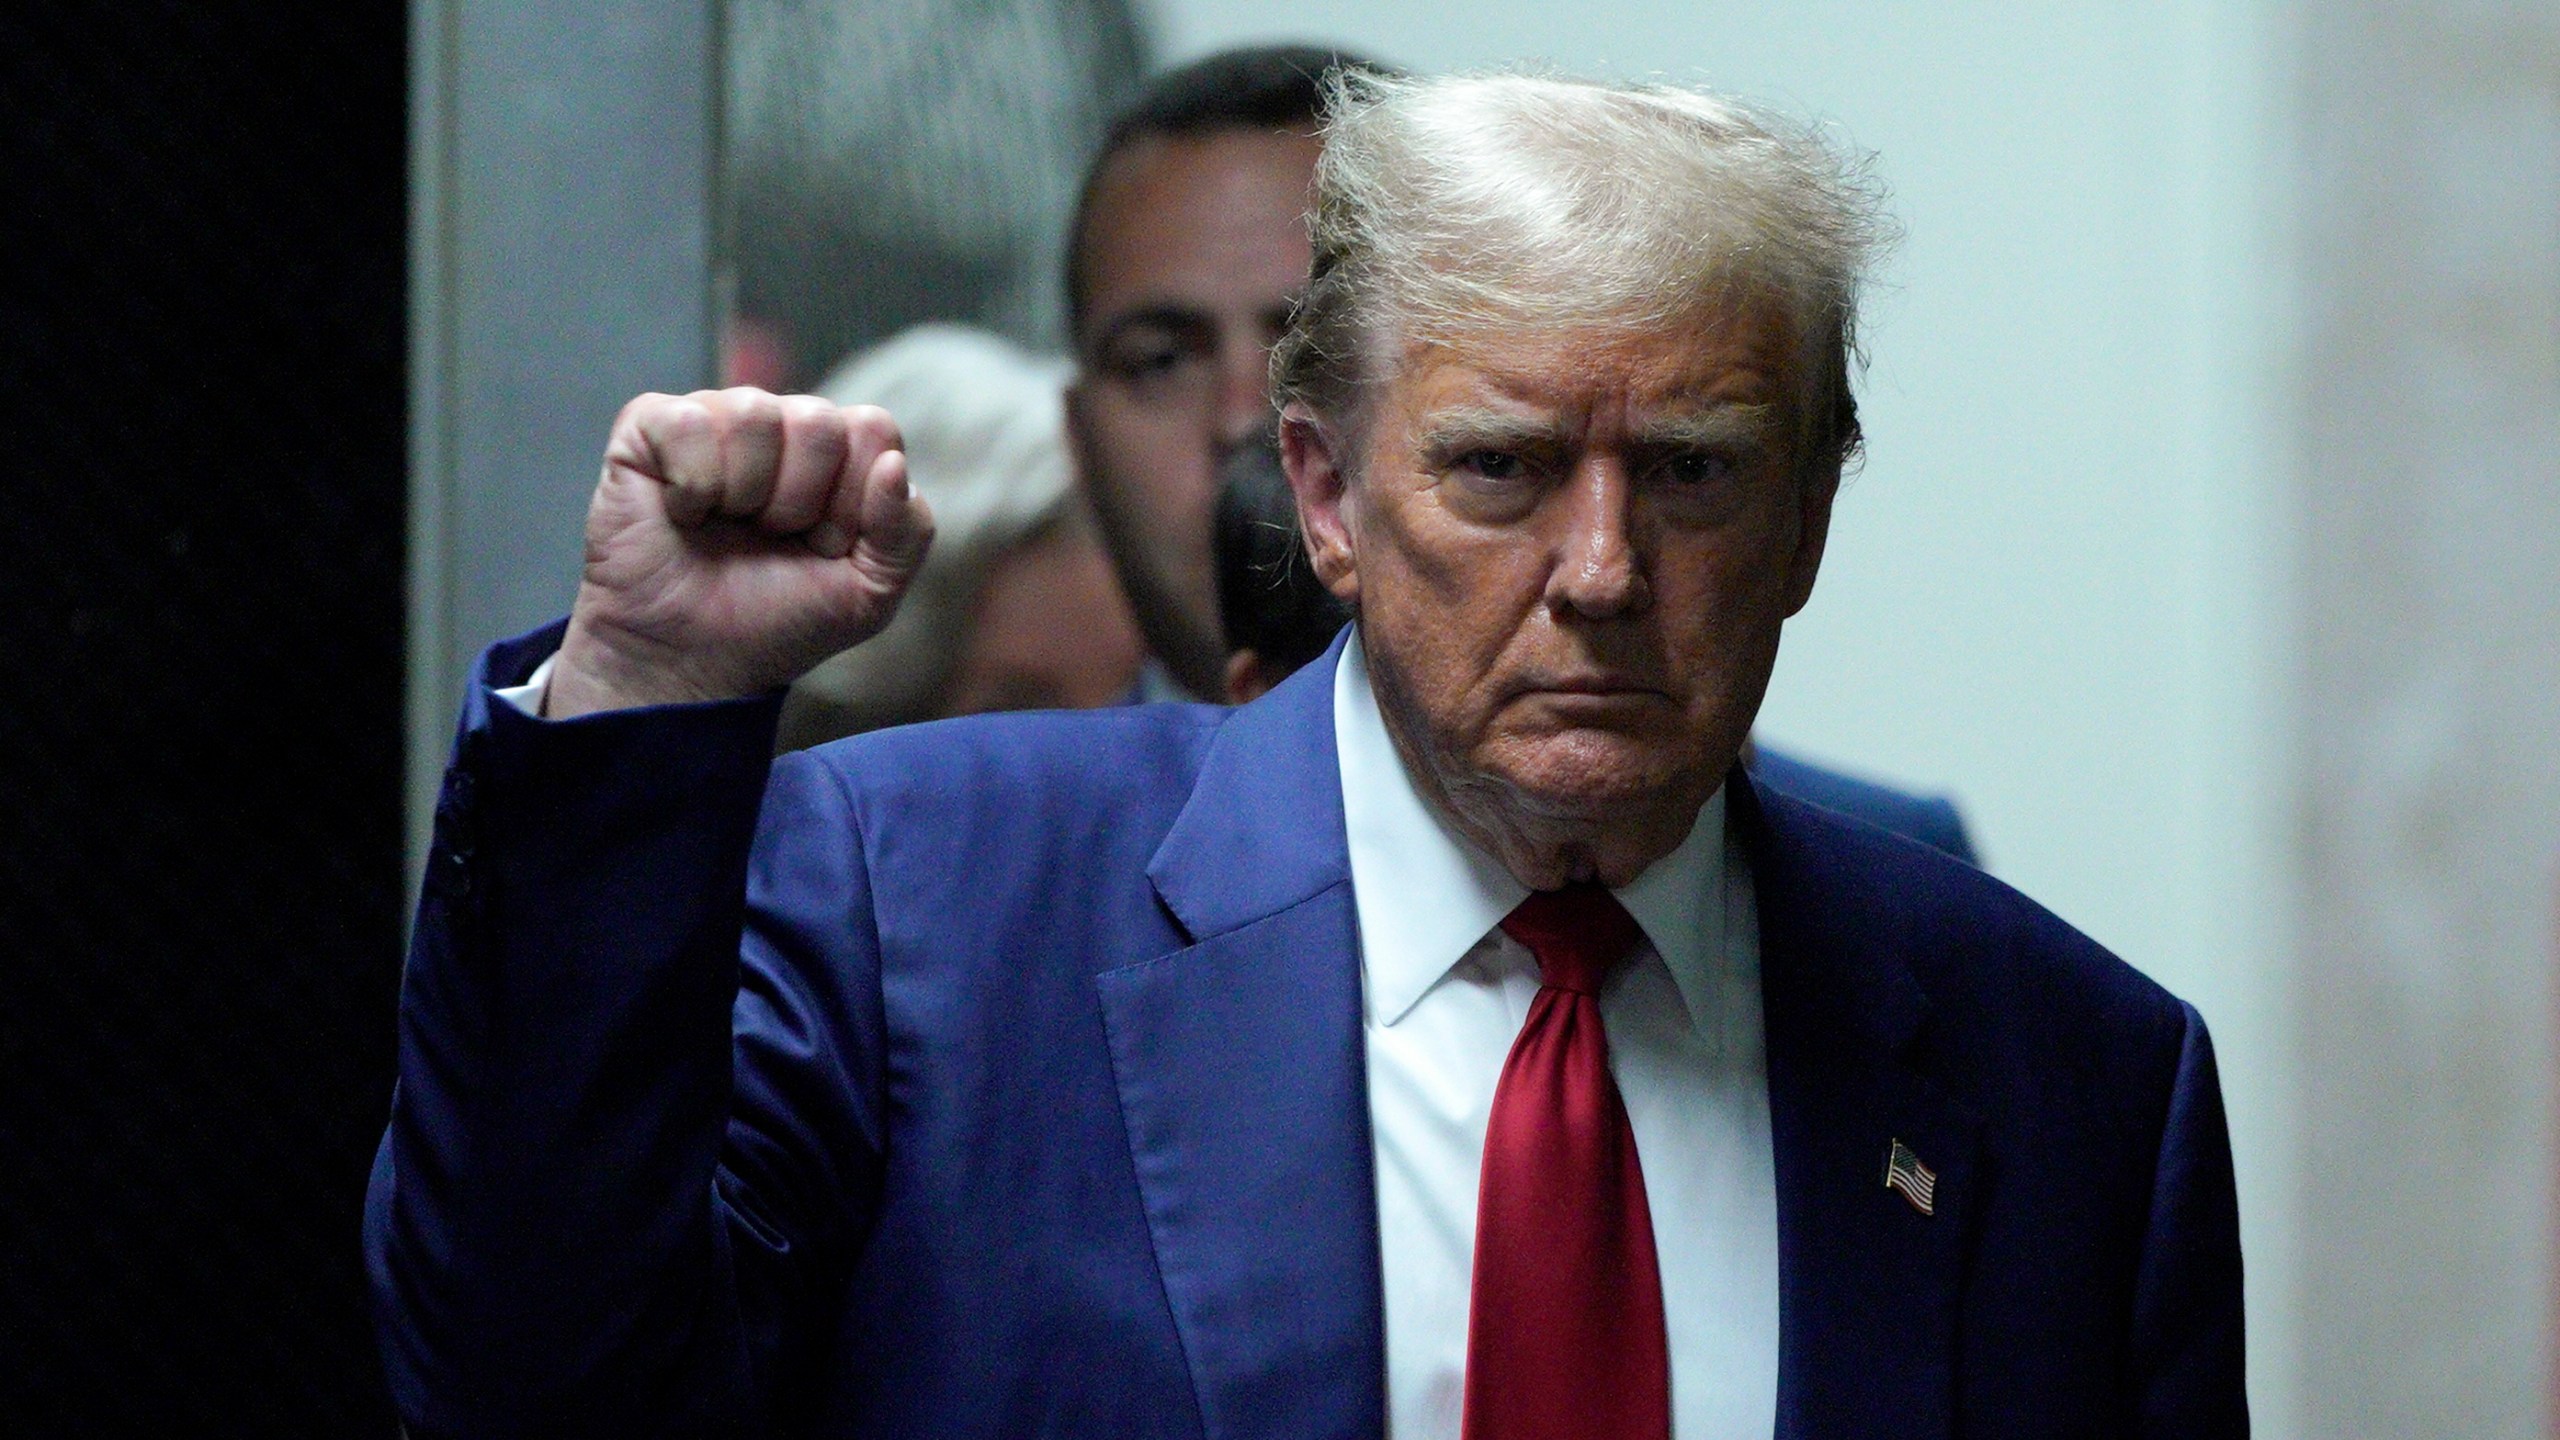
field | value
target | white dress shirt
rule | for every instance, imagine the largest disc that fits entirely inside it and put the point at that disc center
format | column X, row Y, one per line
column 1446, row 993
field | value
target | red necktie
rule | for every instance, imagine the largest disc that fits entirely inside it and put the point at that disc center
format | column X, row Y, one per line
column 1564, row 1325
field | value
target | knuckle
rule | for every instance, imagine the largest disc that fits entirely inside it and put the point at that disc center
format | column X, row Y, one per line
column 747, row 433
column 713, row 403
column 643, row 405
column 755, row 425
column 810, row 422
column 724, row 407
column 875, row 425
column 678, row 432
column 678, row 416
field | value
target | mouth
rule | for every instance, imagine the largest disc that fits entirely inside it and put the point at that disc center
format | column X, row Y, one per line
column 1590, row 687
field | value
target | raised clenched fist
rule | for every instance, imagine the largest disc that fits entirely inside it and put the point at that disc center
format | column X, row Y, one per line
column 736, row 539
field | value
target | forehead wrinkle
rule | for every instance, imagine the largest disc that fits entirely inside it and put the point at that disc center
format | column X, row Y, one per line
column 1705, row 350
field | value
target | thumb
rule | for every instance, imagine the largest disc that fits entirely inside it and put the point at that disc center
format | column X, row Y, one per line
column 892, row 525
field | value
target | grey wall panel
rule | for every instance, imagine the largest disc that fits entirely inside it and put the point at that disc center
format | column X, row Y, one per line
column 563, row 209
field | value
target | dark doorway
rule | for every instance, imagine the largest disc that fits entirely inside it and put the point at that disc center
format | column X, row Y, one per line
column 201, row 618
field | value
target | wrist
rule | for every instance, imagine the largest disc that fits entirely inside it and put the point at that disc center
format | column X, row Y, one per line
column 600, row 669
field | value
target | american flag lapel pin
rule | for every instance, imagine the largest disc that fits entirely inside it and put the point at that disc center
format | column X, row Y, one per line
column 1917, row 1182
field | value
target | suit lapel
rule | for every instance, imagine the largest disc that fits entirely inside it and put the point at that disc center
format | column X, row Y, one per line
column 1239, row 1064
column 1868, row 1285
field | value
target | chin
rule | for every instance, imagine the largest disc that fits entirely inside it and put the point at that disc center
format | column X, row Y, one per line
column 1593, row 775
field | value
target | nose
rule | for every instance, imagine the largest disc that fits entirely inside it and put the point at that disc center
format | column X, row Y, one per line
column 1600, row 568
column 1244, row 410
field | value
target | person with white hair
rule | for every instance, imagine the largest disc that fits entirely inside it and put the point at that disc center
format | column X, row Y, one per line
column 1454, row 1042
column 985, row 433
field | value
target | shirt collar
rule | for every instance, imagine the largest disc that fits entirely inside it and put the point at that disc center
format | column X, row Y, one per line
column 1425, row 895
column 1156, row 685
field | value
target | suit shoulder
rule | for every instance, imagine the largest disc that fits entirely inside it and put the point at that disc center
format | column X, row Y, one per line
column 1933, row 820
column 1978, row 937
column 979, row 788
column 2003, row 975
column 1089, row 751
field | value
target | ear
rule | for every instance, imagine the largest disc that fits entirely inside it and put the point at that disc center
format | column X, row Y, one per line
column 1319, row 476
column 1814, row 493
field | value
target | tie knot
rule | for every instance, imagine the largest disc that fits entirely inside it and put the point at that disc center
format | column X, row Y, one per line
column 1577, row 933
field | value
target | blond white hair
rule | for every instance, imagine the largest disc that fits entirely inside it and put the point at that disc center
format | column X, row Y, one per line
column 1455, row 208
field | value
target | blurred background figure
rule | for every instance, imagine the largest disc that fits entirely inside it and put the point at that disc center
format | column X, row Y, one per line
column 1273, row 612
column 1187, row 250
column 1016, row 608
column 905, row 168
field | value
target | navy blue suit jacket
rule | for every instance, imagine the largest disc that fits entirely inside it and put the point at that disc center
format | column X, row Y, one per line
column 1930, row 819
column 1004, row 1077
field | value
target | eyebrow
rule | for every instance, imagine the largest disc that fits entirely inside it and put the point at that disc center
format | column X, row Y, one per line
column 1178, row 315
column 1158, row 317
column 1475, row 427
column 1715, row 427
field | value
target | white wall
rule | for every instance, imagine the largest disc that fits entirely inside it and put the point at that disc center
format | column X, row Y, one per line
column 2055, row 590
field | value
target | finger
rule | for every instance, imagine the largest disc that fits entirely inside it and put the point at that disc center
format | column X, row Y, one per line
column 876, row 426
column 814, row 445
column 750, row 450
column 869, row 431
column 675, row 441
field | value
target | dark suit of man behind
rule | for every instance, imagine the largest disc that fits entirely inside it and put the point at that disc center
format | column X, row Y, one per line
column 1930, row 819
column 1006, row 1077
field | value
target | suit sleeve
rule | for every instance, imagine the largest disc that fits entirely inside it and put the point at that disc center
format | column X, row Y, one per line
column 2186, row 1352
column 633, row 1131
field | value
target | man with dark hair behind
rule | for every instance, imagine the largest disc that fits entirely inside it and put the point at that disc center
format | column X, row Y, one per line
column 1188, row 251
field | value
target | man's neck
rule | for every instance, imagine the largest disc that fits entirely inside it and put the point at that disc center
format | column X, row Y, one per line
column 1156, row 684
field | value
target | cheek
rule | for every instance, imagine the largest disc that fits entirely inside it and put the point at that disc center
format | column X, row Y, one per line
column 1453, row 613
column 1722, row 617
column 1405, row 542
column 1144, row 464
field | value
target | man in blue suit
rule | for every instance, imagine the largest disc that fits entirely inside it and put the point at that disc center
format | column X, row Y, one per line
column 1455, row 1041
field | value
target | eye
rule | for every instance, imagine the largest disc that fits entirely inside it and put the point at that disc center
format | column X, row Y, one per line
column 1149, row 356
column 1137, row 361
column 1692, row 469
column 1493, row 484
